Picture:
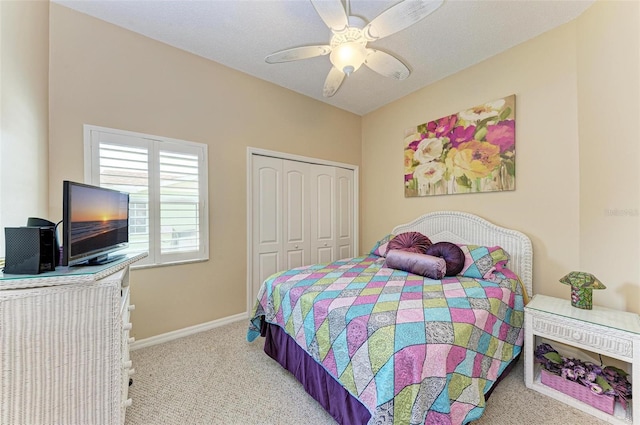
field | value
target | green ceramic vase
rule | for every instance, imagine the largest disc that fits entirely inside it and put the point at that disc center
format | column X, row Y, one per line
column 582, row 298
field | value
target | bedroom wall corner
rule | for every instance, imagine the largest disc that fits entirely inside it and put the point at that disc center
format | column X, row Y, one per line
column 542, row 74
column 107, row 76
column 608, row 58
column 24, row 112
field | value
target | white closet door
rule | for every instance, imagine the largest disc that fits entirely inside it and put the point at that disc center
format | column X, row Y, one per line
column 323, row 216
column 344, row 213
column 295, row 214
column 267, row 219
column 301, row 214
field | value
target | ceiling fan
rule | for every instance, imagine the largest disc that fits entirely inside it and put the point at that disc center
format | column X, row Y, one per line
column 348, row 49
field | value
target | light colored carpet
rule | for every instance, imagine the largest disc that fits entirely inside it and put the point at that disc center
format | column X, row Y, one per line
column 217, row 377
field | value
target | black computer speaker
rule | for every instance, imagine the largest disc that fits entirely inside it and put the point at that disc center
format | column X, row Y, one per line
column 29, row 250
column 41, row 222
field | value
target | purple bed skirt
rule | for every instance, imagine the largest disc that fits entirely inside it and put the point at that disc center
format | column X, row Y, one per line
column 344, row 408
column 332, row 396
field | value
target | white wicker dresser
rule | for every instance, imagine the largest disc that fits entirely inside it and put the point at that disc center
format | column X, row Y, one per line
column 64, row 345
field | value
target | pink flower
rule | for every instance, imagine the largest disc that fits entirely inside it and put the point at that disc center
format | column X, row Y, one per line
column 568, row 374
column 443, row 126
column 502, row 134
column 595, row 388
column 461, row 135
column 414, row 145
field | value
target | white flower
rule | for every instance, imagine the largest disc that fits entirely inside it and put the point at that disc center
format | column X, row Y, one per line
column 430, row 172
column 482, row 112
column 428, row 150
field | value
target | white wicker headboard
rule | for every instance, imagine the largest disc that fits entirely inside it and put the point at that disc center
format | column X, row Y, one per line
column 459, row 227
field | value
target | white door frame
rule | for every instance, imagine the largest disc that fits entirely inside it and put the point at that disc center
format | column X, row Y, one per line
column 263, row 152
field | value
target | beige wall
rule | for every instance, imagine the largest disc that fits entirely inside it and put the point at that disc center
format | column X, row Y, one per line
column 574, row 90
column 107, row 76
column 609, row 130
column 577, row 138
column 24, row 109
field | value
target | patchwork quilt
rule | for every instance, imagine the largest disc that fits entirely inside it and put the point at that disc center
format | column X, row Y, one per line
column 411, row 349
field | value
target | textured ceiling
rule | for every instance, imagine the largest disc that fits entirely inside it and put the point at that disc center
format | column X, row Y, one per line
column 240, row 33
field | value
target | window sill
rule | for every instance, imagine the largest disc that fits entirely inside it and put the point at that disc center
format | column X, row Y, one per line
column 173, row 263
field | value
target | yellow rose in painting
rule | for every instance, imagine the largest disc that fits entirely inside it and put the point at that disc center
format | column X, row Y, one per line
column 408, row 161
column 474, row 159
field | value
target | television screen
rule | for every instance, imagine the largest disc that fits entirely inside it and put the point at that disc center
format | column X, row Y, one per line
column 95, row 222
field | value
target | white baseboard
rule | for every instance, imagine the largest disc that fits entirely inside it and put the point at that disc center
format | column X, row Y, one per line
column 170, row 336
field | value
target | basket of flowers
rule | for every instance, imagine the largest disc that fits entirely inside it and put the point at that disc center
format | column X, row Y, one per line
column 598, row 386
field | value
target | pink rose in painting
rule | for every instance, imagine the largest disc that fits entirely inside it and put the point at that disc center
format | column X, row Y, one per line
column 461, row 135
column 442, row 126
column 502, row 135
column 414, row 145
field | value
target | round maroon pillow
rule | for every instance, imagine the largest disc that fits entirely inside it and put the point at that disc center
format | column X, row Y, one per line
column 410, row 241
column 452, row 254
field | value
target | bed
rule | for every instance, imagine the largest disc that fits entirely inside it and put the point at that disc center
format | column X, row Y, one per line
column 375, row 345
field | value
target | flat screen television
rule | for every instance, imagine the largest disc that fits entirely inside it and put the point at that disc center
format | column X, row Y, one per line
column 95, row 222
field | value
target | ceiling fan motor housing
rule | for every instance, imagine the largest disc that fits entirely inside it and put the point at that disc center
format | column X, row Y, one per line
column 348, row 50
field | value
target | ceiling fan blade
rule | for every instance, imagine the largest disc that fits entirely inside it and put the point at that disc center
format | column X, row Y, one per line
column 333, row 82
column 297, row 53
column 387, row 65
column 399, row 17
column 332, row 13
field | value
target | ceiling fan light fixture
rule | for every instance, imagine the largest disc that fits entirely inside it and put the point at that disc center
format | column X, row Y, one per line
column 348, row 57
column 347, row 47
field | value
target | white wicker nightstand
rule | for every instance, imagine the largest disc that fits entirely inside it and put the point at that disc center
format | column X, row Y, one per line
column 612, row 333
column 64, row 345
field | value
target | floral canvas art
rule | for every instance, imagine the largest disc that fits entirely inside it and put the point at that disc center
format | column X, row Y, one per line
column 471, row 151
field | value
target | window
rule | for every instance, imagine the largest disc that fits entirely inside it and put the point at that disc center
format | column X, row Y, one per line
column 167, row 184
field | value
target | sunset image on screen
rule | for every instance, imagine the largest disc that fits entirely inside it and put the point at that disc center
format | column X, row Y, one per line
column 91, row 205
column 98, row 218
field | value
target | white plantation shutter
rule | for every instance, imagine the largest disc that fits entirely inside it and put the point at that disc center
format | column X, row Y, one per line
column 167, row 184
column 179, row 201
column 126, row 168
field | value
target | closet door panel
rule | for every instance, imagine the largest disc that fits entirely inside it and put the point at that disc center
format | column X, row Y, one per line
column 344, row 213
column 268, row 263
column 296, row 214
column 267, row 219
column 323, row 207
